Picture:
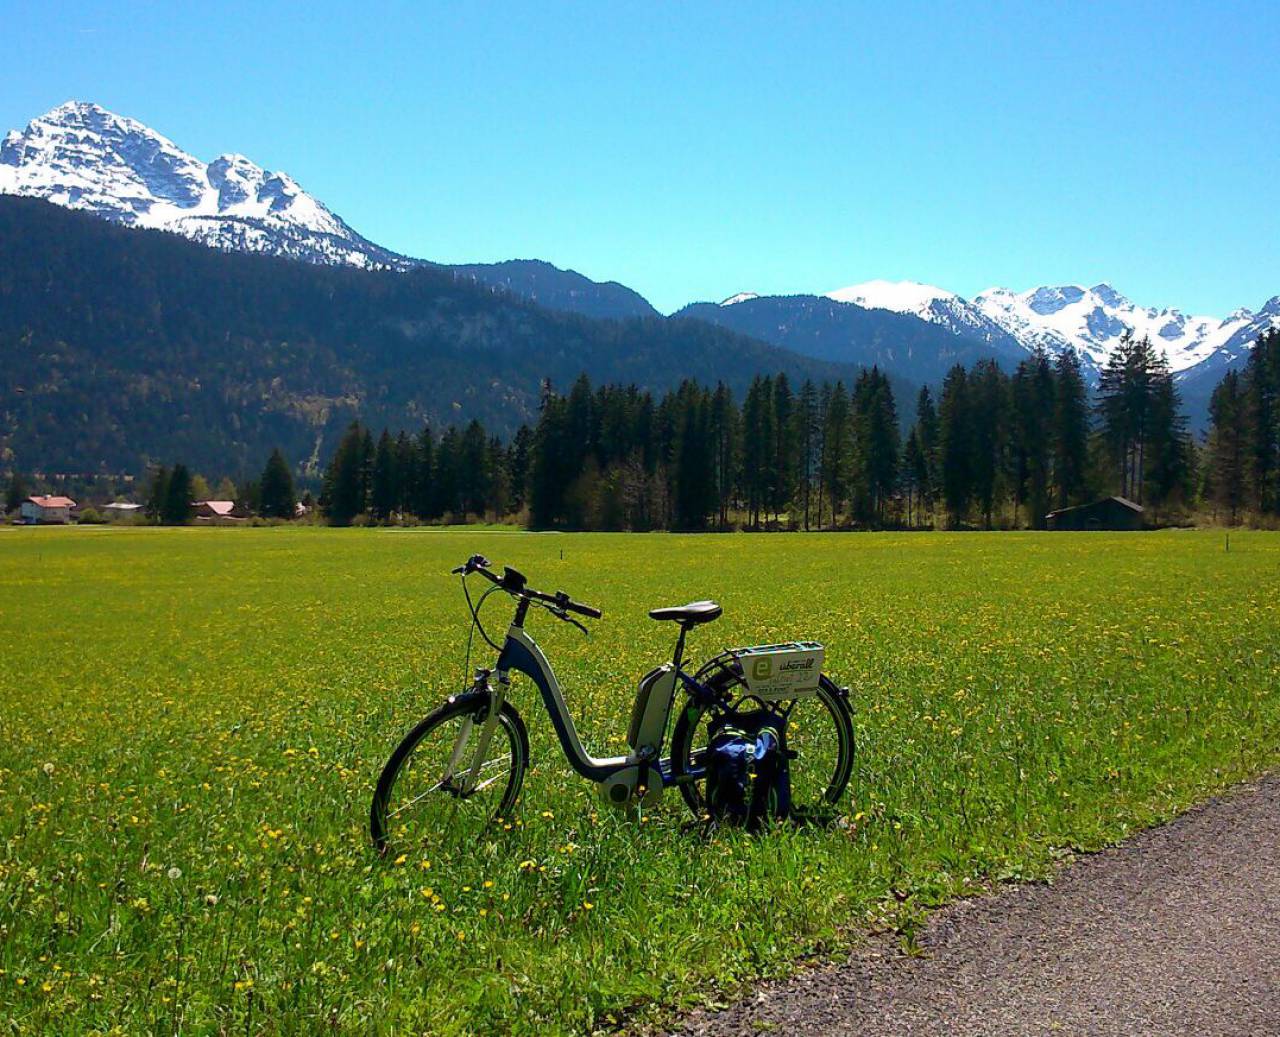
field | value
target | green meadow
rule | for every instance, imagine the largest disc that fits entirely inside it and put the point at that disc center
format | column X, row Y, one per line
column 191, row 722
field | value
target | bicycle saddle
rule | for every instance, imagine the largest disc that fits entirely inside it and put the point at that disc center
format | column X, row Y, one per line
column 694, row 613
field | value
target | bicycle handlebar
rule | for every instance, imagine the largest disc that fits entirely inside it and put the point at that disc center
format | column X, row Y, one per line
column 514, row 583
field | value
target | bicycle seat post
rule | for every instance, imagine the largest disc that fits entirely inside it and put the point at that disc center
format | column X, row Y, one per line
column 679, row 656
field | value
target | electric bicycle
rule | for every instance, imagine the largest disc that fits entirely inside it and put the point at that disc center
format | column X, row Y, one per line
column 761, row 733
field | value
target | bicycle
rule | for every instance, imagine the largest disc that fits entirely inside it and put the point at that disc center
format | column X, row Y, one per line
column 762, row 731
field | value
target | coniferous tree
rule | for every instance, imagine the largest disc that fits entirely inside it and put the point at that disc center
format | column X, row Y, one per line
column 449, row 483
column 756, row 425
column 1228, row 449
column 518, row 468
column 838, row 450
column 1261, row 385
column 382, row 481
column 807, row 417
column 724, row 436
column 1070, row 430
column 1168, row 454
column 406, row 473
column 424, row 497
column 550, row 467
column 927, row 433
column 956, row 445
column 367, row 455
column 877, row 431
column 1031, row 416
column 344, row 482
column 17, row 492
column 158, row 494
column 915, row 474
column 475, row 471
column 276, row 488
column 783, row 460
column 177, row 499
column 695, row 493
column 989, row 397
column 498, row 493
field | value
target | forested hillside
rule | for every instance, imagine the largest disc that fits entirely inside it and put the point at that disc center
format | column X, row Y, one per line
column 120, row 347
column 913, row 350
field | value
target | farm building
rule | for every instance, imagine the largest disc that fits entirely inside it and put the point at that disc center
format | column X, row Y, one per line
column 1108, row 513
column 218, row 511
column 121, row 509
column 46, row 510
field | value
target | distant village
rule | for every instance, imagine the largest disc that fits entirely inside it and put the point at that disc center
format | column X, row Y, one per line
column 55, row 510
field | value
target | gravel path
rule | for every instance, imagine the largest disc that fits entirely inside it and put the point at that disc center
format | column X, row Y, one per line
column 1177, row 931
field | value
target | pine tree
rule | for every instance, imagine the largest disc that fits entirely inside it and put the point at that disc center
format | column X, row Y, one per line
column 17, row 492
column 176, row 510
column 756, row 426
column 475, row 473
column 550, row 474
column 807, row 438
column 1228, row 451
column 989, row 397
column 521, row 457
column 423, row 503
column 838, row 442
column 956, row 445
column 382, row 481
column 276, row 488
column 927, row 433
column 724, row 436
column 783, row 460
column 1031, row 436
column 448, row 473
column 344, row 482
column 1168, row 450
column 158, row 494
column 1070, row 430
column 695, row 491
column 877, row 419
column 1261, row 386
column 915, row 474
column 406, row 473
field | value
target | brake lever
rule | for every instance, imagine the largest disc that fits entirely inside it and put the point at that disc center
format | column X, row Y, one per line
column 563, row 615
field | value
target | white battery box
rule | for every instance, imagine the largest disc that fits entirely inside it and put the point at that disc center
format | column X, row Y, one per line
column 783, row 671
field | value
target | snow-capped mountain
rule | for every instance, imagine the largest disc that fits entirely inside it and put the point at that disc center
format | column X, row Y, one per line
column 1089, row 320
column 935, row 305
column 84, row 157
column 1093, row 320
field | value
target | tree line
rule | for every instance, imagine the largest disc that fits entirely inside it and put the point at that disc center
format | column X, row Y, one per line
column 1242, row 470
column 993, row 450
column 990, row 449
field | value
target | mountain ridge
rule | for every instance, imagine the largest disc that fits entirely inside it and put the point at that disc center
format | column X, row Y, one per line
column 82, row 156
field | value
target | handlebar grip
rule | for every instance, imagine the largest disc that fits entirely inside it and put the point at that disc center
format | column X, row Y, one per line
column 583, row 610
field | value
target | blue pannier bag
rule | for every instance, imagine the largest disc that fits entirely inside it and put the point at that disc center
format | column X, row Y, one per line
column 748, row 778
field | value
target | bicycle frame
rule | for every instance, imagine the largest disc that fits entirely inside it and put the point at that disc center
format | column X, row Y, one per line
column 520, row 653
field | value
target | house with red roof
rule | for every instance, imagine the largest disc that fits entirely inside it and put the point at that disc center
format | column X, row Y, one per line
column 47, row 510
column 218, row 511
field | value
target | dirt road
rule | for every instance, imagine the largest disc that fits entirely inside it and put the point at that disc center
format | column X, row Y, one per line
column 1176, row 931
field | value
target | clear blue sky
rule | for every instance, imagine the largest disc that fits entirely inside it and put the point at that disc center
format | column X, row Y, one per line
column 693, row 151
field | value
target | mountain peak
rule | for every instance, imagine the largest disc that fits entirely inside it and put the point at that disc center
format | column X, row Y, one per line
column 740, row 297
column 83, row 156
column 898, row 296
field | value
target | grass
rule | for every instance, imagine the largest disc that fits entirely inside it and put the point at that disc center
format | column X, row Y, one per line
column 192, row 721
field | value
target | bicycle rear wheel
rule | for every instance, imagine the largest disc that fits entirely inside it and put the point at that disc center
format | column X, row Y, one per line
column 426, row 795
column 819, row 730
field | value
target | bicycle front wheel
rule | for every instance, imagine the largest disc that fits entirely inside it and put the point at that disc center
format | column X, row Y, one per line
column 432, row 792
column 819, row 731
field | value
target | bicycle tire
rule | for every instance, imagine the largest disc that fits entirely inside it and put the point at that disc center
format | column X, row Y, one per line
column 724, row 683
column 475, row 706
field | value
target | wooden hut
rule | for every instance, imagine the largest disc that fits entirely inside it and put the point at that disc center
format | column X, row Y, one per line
column 1108, row 513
